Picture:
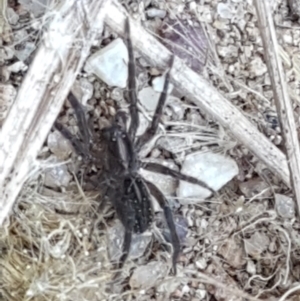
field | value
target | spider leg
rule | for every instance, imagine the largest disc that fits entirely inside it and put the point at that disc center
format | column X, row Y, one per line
column 151, row 130
column 125, row 215
column 131, row 97
column 170, row 222
column 84, row 126
column 78, row 146
column 155, row 167
column 125, row 250
column 126, row 247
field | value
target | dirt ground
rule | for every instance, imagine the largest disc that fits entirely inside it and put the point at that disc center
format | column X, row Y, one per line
column 240, row 244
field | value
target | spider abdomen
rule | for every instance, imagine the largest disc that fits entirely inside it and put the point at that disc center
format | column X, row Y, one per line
column 138, row 202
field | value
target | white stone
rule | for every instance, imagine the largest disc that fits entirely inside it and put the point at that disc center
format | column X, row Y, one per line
column 228, row 51
column 186, row 289
column 225, row 10
column 251, row 267
column 83, row 90
column 213, row 169
column 254, row 187
column 257, row 67
column 61, row 148
column 12, row 16
column 17, row 67
column 23, row 54
column 36, row 7
column 110, row 64
column 117, row 94
column 155, row 12
column 201, row 264
column 159, row 82
column 285, row 206
column 201, row 294
column 146, row 276
column 177, row 108
column 57, row 175
column 148, row 98
column 168, row 286
column 173, row 144
column 256, row 244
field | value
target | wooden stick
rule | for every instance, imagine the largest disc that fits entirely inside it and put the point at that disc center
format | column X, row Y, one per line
column 5, row 28
column 281, row 96
column 43, row 91
column 203, row 94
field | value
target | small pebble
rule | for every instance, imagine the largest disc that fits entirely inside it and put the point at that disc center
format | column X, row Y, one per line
column 156, row 13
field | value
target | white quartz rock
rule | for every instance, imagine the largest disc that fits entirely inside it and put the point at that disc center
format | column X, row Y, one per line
column 213, row 169
column 24, row 53
column 148, row 98
column 285, row 206
column 156, row 13
column 148, row 275
column 83, row 90
column 61, row 148
column 57, row 175
column 159, row 82
column 110, row 64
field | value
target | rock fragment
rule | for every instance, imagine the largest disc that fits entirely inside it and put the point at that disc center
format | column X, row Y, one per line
column 146, row 276
column 110, row 64
column 213, row 169
column 285, row 206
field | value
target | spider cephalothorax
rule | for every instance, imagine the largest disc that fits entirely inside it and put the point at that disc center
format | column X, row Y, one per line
column 120, row 180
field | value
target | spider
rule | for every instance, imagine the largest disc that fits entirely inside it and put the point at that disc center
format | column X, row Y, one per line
column 120, row 181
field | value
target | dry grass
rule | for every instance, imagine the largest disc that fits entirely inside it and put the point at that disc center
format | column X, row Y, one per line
column 48, row 256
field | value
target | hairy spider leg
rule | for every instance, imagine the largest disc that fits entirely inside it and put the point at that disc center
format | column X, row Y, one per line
column 78, row 146
column 152, row 129
column 156, row 167
column 131, row 97
column 126, row 216
column 163, row 202
column 84, row 127
column 126, row 247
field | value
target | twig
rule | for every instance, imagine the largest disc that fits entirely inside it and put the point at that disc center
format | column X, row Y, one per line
column 282, row 100
column 201, row 92
column 289, row 292
column 44, row 90
column 5, row 29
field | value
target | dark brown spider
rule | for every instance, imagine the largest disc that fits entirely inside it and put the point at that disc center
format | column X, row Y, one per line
column 120, row 180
